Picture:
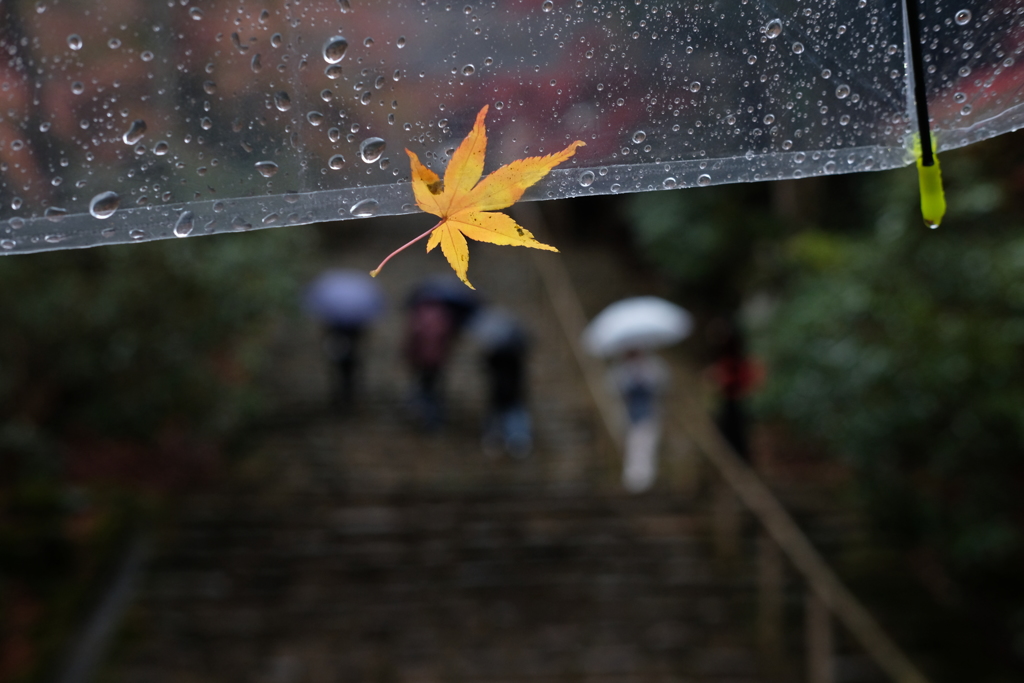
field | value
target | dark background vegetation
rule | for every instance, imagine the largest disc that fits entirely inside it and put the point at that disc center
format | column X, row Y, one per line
column 124, row 371
column 894, row 348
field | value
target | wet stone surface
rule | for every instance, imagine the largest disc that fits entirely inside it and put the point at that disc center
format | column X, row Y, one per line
column 356, row 548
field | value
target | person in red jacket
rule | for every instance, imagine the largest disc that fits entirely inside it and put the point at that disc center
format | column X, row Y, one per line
column 736, row 376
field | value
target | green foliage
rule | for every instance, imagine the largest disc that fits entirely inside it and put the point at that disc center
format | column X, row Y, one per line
column 707, row 240
column 122, row 339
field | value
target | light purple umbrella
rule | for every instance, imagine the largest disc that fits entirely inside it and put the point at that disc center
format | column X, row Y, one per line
column 344, row 297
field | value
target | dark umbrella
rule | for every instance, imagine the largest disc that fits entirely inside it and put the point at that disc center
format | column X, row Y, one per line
column 448, row 290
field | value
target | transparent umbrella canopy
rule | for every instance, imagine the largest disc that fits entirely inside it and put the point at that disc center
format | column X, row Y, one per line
column 124, row 120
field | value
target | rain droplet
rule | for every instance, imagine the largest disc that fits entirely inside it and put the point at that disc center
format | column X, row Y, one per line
column 695, row 86
column 104, row 205
column 239, row 223
column 146, row 56
column 315, row 118
column 75, row 41
column 114, row 43
column 334, row 49
column 77, row 88
column 959, row 97
column 964, row 71
column 134, row 132
column 7, row 244
column 798, row 48
column 773, row 29
column 587, row 178
column 547, row 5
column 366, row 97
column 54, row 214
column 468, row 70
column 336, row 162
column 137, row 234
column 205, row 123
column 769, row 119
column 333, row 72
column 209, row 87
column 256, row 65
column 826, row 74
column 965, row 110
column 962, row 17
column 639, row 136
column 401, row 42
column 282, row 101
column 367, row 41
column 17, row 223
column 844, row 120
column 367, row 207
column 669, row 183
column 371, row 149
column 196, row 13
column 267, row 169
column 270, row 218
column 183, row 226
column 703, row 180
column 334, row 134
column 830, row 167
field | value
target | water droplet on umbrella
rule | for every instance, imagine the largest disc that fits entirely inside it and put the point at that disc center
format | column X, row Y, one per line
column 276, row 40
column 371, row 149
column 401, row 42
column 344, row 6
column 270, row 219
column 333, row 72
column 334, row 49
column 206, row 123
column 104, row 205
column 75, row 41
column 267, row 169
column 113, row 43
column 183, row 226
column 639, row 136
column 703, row 180
column 334, row 134
column 962, row 17
column 964, row 71
column 315, row 118
column 282, row 101
column 587, row 178
column 826, row 73
column 798, row 48
column 17, row 223
column 669, row 183
column 239, row 223
column 547, row 5
column 367, row 41
column 7, row 244
column 209, row 87
column 830, row 167
column 137, row 234
column 256, row 65
column 842, row 91
column 77, row 88
column 695, row 86
column 773, row 29
column 468, row 70
column 196, row 13
column 366, row 207
column 134, row 132
column 336, row 162
column 366, row 97
column 769, row 119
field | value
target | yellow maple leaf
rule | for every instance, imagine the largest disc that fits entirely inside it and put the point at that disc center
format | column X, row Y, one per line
column 466, row 206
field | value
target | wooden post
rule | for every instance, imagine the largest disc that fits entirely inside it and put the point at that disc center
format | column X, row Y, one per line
column 770, row 592
column 819, row 641
column 726, row 520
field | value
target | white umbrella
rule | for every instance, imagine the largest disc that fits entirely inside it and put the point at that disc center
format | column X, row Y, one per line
column 643, row 322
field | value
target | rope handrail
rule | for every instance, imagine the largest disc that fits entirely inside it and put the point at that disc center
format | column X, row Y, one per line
column 740, row 477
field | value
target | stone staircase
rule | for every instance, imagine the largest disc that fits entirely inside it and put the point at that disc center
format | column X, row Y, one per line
column 354, row 548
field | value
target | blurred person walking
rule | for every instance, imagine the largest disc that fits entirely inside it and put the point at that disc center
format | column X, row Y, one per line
column 629, row 330
column 641, row 378
column 735, row 375
column 504, row 345
column 438, row 308
column 345, row 302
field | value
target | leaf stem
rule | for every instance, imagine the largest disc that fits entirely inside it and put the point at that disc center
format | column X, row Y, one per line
column 375, row 271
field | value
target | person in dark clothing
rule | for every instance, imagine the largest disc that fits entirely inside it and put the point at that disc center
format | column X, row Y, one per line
column 504, row 345
column 341, row 346
column 736, row 376
column 428, row 343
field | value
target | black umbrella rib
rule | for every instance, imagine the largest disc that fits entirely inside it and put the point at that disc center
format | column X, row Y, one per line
column 920, row 89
